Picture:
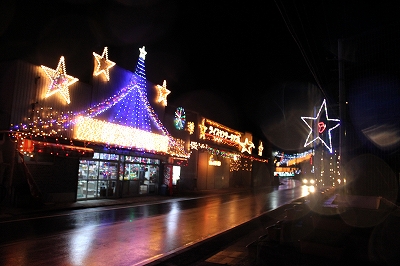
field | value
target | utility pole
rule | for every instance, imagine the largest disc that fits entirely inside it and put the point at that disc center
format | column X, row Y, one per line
column 342, row 103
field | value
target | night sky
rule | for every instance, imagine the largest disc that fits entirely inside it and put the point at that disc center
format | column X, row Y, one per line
column 251, row 65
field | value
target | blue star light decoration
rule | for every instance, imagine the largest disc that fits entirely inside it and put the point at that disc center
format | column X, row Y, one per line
column 323, row 125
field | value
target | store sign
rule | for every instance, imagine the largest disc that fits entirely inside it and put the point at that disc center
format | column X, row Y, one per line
column 215, row 131
column 214, row 162
column 219, row 133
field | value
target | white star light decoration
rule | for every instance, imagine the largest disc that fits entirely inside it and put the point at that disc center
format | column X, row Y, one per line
column 143, row 53
column 324, row 127
column 103, row 65
column 247, row 146
column 163, row 93
column 60, row 81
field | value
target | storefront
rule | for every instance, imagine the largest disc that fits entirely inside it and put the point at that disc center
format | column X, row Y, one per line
column 78, row 141
column 222, row 157
column 113, row 175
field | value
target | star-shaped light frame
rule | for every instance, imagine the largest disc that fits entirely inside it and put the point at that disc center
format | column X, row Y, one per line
column 190, row 127
column 60, row 81
column 163, row 93
column 143, row 53
column 103, row 65
column 334, row 122
column 247, row 145
column 202, row 130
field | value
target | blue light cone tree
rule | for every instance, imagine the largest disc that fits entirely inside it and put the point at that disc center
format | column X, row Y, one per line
column 133, row 110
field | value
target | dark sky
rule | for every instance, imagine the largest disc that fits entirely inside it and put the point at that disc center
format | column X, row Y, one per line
column 241, row 62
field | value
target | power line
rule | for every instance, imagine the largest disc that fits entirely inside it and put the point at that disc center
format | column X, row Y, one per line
column 297, row 41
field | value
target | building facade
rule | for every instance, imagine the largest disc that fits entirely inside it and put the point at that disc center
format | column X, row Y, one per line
column 63, row 140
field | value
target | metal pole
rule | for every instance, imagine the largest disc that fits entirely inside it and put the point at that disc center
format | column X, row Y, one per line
column 342, row 103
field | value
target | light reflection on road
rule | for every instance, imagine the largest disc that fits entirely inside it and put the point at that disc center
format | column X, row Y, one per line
column 138, row 235
column 80, row 241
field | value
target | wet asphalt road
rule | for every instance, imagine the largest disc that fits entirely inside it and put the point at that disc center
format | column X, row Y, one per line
column 133, row 235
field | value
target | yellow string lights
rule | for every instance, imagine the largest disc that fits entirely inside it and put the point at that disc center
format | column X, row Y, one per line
column 103, row 65
column 247, row 145
column 163, row 93
column 60, row 81
column 260, row 148
column 89, row 129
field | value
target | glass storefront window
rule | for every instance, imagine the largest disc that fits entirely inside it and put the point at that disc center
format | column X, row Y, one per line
column 111, row 157
column 131, row 171
column 132, row 159
column 108, row 170
column 108, row 175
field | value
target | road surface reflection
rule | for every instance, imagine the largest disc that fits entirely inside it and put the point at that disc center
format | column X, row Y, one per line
column 135, row 235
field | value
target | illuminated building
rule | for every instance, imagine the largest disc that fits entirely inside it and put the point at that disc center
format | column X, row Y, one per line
column 116, row 137
column 73, row 140
column 221, row 157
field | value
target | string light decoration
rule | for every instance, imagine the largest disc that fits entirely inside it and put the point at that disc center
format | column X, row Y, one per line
column 94, row 130
column 103, row 65
column 282, row 158
column 135, row 116
column 163, row 92
column 46, row 121
column 133, row 111
column 260, row 148
column 247, row 145
column 238, row 161
column 143, row 53
column 225, row 154
column 219, row 133
column 180, row 118
column 202, row 130
column 324, row 126
column 106, row 104
column 190, row 127
column 60, row 81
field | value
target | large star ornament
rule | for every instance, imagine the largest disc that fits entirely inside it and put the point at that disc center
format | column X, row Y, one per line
column 103, row 65
column 321, row 126
column 163, row 93
column 202, row 130
column 247, row 145
column 60, row 81
column 143, row 53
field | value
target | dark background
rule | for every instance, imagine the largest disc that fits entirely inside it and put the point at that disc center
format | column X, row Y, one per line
column 251, row 65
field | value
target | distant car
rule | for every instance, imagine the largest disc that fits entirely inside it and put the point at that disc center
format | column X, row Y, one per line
column 308, row 180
